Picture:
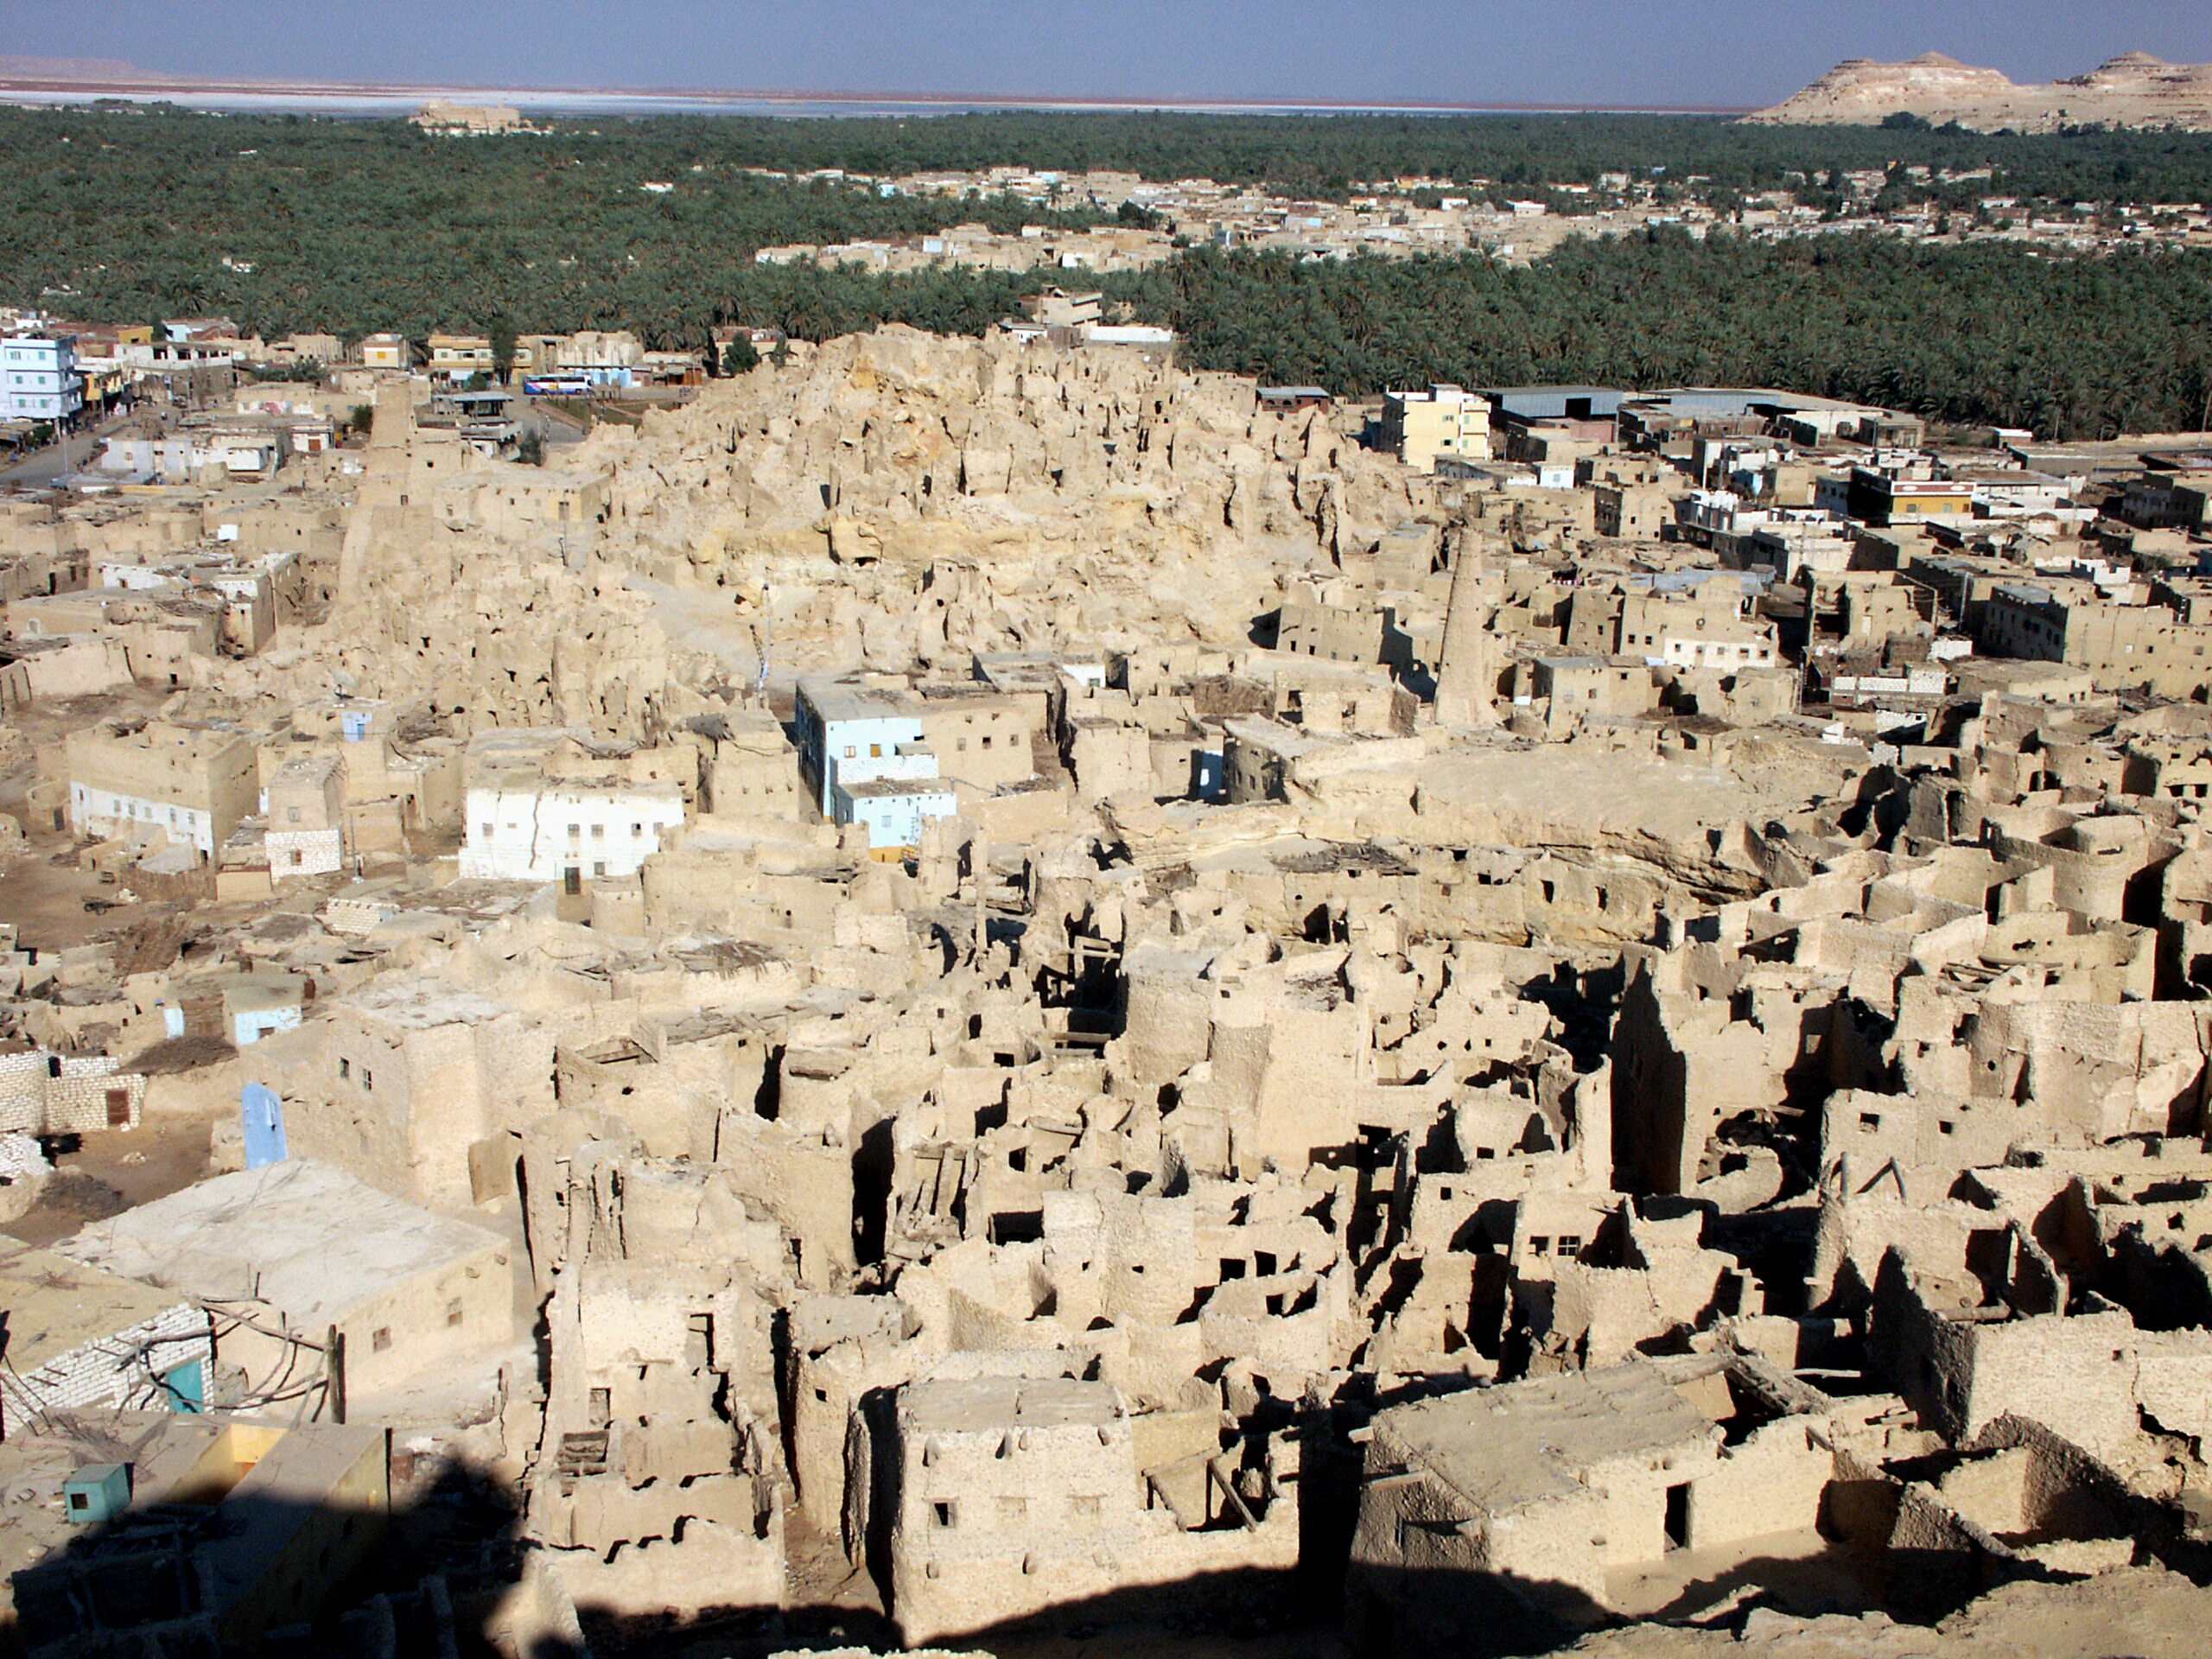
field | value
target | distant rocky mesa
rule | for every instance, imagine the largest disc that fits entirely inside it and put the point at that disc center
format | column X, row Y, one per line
column 2132, row 90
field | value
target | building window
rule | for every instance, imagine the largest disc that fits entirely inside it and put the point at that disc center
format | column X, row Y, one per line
column 599, row 832
column 487, row 832
column 380, row 1339
column 345, row 1067
column 453, row 1312
column 945, row 1516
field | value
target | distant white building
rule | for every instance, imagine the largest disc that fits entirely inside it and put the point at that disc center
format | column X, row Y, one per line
column 39, row 379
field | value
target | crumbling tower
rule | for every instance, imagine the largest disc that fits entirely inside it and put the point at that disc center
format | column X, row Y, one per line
column 1466, row 684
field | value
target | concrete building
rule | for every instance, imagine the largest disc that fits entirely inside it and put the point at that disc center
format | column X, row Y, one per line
column 893, row 810
column 1882, row 498
column 39, row 379
column 851, row 732
column 457, row 358
column 1420, row 427
column 385, row 351
column 190, row 785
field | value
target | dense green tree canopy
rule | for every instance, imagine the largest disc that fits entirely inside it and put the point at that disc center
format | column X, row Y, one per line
column 292, row 224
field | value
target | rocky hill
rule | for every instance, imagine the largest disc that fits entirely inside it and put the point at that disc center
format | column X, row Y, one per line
column 2132, row 90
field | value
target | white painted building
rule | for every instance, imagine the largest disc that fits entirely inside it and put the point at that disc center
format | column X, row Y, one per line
column 852, row 734
column 94, row 811
column 39, row 379
column 544, row 805
column 1705, row 643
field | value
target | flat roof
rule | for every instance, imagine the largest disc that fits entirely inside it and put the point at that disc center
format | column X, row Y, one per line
column 306, row 1237
column 887, row 788
column 1506, row 1448
column 834, row 699
column 55, row 1304
column 421, row 1004
column 995, row 1402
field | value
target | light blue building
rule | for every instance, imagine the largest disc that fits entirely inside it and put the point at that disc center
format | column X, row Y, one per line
column 39, row 379
column 853, row 734
column 894, row 809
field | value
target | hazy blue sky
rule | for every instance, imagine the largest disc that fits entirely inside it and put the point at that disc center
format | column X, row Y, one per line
column 1458, row 51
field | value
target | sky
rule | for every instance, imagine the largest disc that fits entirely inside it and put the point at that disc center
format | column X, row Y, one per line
column 1720, row 53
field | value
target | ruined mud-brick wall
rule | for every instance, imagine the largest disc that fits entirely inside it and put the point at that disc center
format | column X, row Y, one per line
column 898, row 499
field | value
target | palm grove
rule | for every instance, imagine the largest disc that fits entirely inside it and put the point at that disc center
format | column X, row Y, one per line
column 290, row 224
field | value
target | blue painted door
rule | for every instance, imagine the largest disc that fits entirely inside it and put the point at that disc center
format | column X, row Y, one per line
column 263, row 1113
column 186, row 1386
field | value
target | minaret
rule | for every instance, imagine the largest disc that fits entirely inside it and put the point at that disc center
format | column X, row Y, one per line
column 1466, row 684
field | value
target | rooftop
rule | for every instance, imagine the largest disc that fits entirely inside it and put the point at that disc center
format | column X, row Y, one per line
column 1504, row 1449
column 55, row 1305
column 997, row 1402
column 306, row 1238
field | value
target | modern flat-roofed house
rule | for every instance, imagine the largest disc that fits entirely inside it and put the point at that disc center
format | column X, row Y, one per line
column 39, row 379
column 1420, row 427
column 455, row 359
column 384, row 351
column 850, row 732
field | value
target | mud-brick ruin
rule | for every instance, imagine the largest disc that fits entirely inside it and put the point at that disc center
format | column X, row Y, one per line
column 975, row 990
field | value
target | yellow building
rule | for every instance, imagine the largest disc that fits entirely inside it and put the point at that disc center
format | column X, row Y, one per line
column 457, row 357
column 1420, row 427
